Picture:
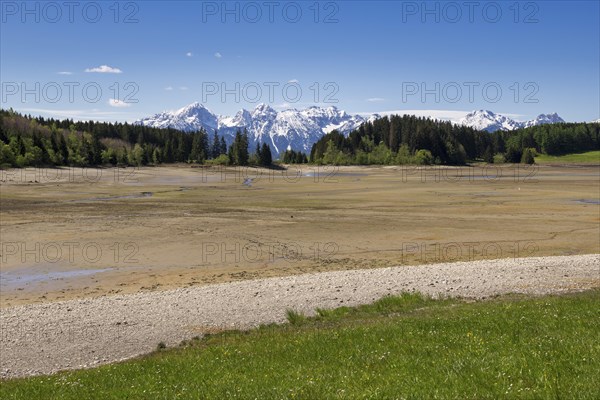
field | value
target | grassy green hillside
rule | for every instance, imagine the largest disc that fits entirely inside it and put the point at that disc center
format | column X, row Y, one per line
column 590, row 157
column 401, row 347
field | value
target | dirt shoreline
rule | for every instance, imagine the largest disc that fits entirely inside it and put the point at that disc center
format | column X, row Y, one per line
column 46, row 338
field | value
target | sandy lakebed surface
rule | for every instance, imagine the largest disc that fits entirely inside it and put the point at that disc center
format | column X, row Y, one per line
column 70, row 233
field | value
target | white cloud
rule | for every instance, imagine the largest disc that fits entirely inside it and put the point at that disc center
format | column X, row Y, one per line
column 183, row 88
column 189, row 54
column 218, row 55
column 169, row 88
column 293, row 81
column 65, row 73
column 118, row 103
column 515, row 116
column 375, row 99
column 82, row 115
column 104, row 69
column 445, row 115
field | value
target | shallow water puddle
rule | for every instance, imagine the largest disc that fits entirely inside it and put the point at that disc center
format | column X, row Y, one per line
column 587, row 201
column 33, row 276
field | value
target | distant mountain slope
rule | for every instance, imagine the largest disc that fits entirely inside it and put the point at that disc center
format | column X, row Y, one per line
column 290, row 128
column 491, row 122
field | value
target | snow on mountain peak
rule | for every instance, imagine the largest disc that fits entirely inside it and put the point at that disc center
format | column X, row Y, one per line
column 188, row 118
column 295, row 129
column 192, row 108
column 544, row 119
column 491, row 122
column 241, row 119
column 262, row 107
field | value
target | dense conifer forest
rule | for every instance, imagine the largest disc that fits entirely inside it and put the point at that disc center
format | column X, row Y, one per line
column 413, row 140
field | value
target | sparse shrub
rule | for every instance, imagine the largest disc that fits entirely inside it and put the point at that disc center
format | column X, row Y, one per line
column 499, row 159
column 528, row 156
column 294, row 317
column 223, row 159
column 423, row 157
column 404, row 157
column 322, row 313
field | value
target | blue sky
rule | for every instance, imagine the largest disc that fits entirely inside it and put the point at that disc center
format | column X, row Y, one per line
column 436, row 58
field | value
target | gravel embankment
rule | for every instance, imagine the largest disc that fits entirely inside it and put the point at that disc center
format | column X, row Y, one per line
column 42, row 339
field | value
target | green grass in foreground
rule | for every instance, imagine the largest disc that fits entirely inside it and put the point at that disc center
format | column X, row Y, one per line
column 399, row 347
column 590, row 157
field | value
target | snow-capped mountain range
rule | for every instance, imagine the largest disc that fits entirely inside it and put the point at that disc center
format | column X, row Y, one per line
column 491, row 122
column 300, row 129
column 294, row 129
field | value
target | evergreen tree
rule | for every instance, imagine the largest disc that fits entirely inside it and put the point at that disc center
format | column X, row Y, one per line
column 196, row 154
column 3, row 136
column 499, row 146
column 257, row 152
column 125, row 134
column 54, row 140
column 64, row 150
column 513, row 155
column 265, row 157
column 44, row 157
column 243, row 154
column 223, row 149
column 96, row 149
column 394, row 135
column 216, row 146
column 204, row 146
column 488, row 155
column 156, row 156
column 238, row 152
column 21, row 149
column 141, row 139
column 231, row 154
column 168, row 152
column 180, row 152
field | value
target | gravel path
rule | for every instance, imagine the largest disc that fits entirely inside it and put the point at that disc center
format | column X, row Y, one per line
column 45, row 338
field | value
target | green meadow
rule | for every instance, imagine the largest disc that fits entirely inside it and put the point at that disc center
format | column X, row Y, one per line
column 403, row 347
column 590, row 157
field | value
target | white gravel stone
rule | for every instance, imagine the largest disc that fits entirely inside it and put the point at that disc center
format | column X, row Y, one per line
column 46, row 338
